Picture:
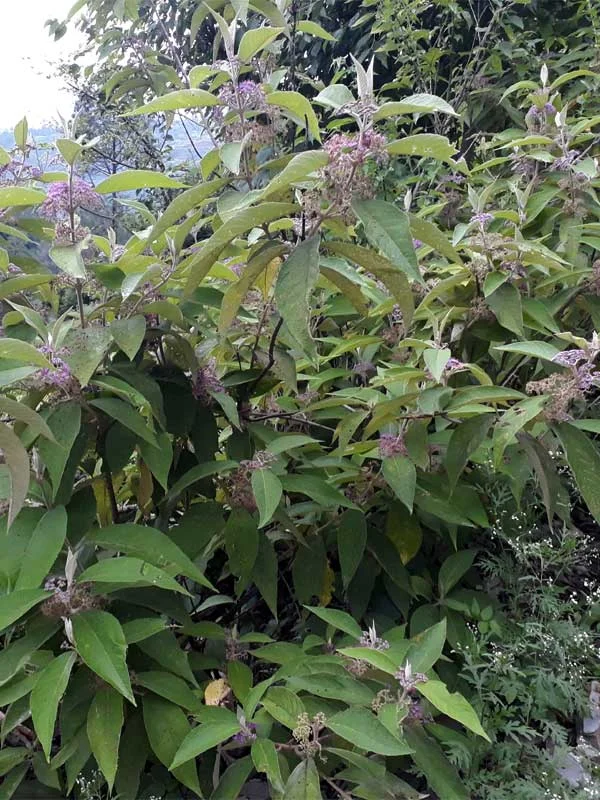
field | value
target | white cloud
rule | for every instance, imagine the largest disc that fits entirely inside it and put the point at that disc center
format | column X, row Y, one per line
column 28, row 55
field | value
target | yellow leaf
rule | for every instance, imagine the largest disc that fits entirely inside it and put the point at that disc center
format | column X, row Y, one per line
column 328, row 583
column 216, row 692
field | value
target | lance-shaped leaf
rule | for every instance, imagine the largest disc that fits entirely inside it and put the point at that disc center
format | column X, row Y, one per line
column 100, row 641
column 104, row 724
column 17, row 461
column 175, row 101
column 132, row 179
column 295, row 282
column 267, row 490
column 584, row 460
column 42, row 549
column 46, row 695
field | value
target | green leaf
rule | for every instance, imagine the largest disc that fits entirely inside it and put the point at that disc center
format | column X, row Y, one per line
column 452, row 705
column 441, row 776
column 69, row 150
column 197, row 474
column 512, row 422
column 158, row 459
column 23, row 413
column 401, row 475
column 100, row 642
column 68, row 259
column 164, row 648
column 16, row 350
column 10, row 757
column 42, row 548
column 388, row 229
column 241, row 542
column 584, row 460
column 167, row 726
column 104, row 723
column 149, row 544
column 432, row 236
column 22, row 283
column 20, row 196
column 506, row 304
column 465, row 439
column 130, row 572
column 204, row 737
column 175, row 101
column 296, row 280
column 453, row 568
column 64, row 420
column 435, row 360
column 129, row 334
column 317, row 489
column 375, row 658
column 133, row 179
column 136, row 630
column 184, row 202
column 233, row 780
column 314, row 29
column 426, row 647
column 14, row 605
column 267, row 490
column 298, row 169
column 288, row 441
column 17, row 462
column 415, row 104
column 284, row 706
column 351, row 541
column 46, row 695
column 86, row 349
column 169, row 686
column 361, row 728
column 304, row 782
column 199, row 265
column 337, row 619
column 335, row 96
column 265, row 759
column 265, row 573
column 424, row 145
column 255, row 40
column 236, row 292
column 127, row 416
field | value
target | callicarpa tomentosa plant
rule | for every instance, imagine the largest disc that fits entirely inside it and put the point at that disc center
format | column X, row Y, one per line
column 240, row 471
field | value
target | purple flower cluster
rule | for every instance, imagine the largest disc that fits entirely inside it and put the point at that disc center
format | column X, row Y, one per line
column 391, row 445
column 371, row 640
column 18, row 172
column 570, row 358
column 250, row 96
column 247, row 734
column 62, row 199
column 566, row 161
column 409, row 679
column 262, row 460
column 482, row 218
column 454, row 364
column 417, row 243
column 349, row 150
column 59, row 375
column 366, row 369
column 206, row 382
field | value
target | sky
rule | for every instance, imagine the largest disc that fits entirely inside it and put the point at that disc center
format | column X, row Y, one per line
column 27, row 55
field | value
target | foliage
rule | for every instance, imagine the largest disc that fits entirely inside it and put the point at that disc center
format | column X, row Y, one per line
column 243, row 478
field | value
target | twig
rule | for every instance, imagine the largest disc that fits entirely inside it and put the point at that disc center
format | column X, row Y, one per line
column 344, row 795
column 271, row 360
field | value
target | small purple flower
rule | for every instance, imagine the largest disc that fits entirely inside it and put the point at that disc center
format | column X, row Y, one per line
column 408, row 679
column 482, row 218
column 391, row 445
column 549, row 108
column 566, row 162
column 417, row 243
column 250, row 96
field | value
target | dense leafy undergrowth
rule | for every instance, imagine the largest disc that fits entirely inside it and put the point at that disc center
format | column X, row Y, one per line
column 300, row 484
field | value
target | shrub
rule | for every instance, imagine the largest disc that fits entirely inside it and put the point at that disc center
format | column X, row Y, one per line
column 243, row 449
